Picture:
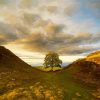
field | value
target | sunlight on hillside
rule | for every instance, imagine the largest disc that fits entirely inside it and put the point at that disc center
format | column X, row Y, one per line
column 49, row 69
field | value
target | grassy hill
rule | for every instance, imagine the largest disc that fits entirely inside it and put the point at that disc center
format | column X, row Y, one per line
column 94, row 57
column 14, row 72
column 20, row 81
column 87, row 70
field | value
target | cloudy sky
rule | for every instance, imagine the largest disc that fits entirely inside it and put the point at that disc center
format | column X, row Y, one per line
column 31, row 28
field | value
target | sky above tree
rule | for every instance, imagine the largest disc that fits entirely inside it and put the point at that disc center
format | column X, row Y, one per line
column 31, row 28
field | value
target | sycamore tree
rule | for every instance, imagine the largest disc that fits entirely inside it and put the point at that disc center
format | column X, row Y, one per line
column 52, row 60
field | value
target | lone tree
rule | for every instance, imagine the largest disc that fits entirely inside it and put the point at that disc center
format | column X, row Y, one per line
column 52, row 60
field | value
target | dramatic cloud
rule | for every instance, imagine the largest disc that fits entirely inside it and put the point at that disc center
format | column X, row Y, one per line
column 7, row 33
column 50, row 25
column 30, row 18
column 52, row 9
column 2, row 2
column 94, row 6
column 71, row 8
column 26, row 3
column 61, row 43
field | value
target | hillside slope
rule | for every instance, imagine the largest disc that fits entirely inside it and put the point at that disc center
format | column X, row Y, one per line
column 14, row 72
column 13, row 67
column 94, row 57
column 87, row 69
column 10, row 60
column 19, row 81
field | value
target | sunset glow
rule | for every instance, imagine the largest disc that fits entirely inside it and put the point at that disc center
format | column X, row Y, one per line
column 31, row 28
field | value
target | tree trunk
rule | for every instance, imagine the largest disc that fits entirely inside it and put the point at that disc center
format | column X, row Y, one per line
column 52, row 68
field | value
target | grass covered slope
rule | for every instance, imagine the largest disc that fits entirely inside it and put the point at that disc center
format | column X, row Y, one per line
column 14, row 72
column 52, row 86
column 94, row 57
column 49, row 69
column 12, row 66
column 19, row 81
column 86, row 71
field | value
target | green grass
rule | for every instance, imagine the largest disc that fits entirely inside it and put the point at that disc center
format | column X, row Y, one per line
column 69, row 85
column 48, row 69
column 53, row 81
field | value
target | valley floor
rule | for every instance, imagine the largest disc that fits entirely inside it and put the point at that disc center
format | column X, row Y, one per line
column 51, row 86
